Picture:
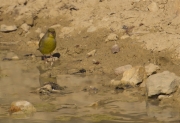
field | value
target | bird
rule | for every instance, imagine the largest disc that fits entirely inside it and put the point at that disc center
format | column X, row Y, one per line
column 47, row 43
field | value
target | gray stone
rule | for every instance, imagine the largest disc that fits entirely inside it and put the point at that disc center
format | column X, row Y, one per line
column 162, row 83
column 5, row 28
column 121, row 69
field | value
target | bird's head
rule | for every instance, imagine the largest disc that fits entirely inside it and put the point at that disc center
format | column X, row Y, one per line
column 51, row 33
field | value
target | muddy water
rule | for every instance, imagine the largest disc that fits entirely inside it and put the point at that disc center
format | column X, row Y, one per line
column 85, row 98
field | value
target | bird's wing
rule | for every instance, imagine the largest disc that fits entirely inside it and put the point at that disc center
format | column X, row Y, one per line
column 42, row 39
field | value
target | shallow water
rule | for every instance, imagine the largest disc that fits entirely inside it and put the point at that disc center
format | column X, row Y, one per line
column 19, row 78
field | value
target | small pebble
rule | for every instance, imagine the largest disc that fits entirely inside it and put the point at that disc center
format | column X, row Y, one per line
column 25, row 27
column 95, row 61
column 30, row 21
column 115, row 49
column 91, row 53
column 112, row 37
column 5, row 28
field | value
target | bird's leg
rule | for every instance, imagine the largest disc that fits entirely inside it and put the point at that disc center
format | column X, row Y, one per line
column 52, row 59
column 45, row 59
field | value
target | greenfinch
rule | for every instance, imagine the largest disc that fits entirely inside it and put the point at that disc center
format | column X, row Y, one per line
column 47, row 44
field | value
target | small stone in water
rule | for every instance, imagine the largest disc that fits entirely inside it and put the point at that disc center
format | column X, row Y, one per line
column 22, row 105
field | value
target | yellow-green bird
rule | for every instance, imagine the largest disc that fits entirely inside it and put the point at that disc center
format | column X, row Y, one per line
column 47, row 44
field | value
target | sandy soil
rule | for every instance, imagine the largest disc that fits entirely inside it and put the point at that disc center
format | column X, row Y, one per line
column 152, row 36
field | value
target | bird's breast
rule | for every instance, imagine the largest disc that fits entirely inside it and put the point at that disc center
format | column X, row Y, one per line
column 48, row 46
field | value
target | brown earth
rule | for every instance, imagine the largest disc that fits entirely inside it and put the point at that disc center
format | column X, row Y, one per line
column 154, row 37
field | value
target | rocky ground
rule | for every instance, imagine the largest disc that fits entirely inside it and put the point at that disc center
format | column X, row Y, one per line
column 98, row 38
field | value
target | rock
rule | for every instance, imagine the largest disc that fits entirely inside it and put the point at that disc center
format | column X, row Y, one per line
column 125, row 36
column 161, row 97
column 153, row 7
column 46, row 88
column 41, row 35
column 50, row 87
column 11, row 56
column 91, row 53
column 112, row 37
column 5, row 28
column 115, row 82
column 38, row 30
column 25, row 27
column 95, row 61
column 15, row 57
column 151, row 68
column 29, row 21
column 91, row 90
column 121, row 69
column 91, row 29
column 162, row 83
column 22, row 106
column 115, row 49
column 22, row 2
column 142, row 85
column 133, row 76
